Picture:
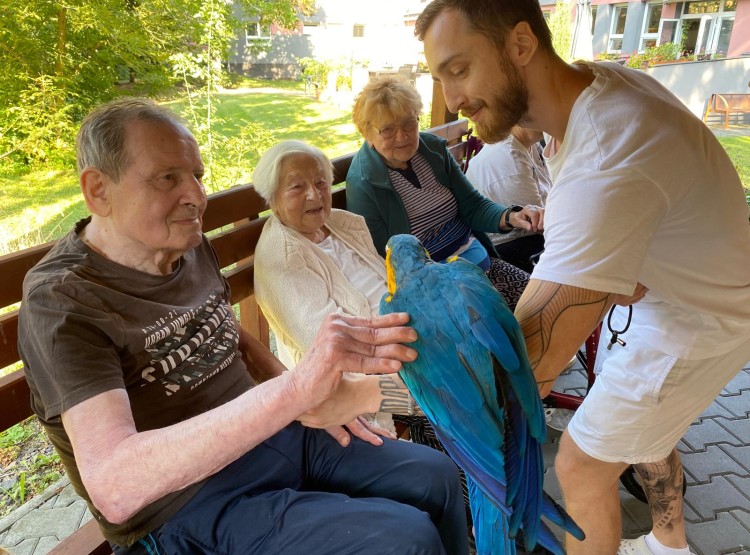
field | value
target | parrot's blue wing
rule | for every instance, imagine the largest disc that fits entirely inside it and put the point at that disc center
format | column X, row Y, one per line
column 473, row 380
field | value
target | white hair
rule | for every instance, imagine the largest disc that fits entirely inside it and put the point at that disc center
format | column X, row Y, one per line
column 266, row 175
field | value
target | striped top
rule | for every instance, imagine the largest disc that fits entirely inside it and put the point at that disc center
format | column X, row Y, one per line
column 431, row 208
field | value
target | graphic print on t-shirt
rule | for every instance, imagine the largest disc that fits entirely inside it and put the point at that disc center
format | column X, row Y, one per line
column 189, row 348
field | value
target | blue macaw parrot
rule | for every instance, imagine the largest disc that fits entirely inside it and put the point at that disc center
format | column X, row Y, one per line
column 473, row 381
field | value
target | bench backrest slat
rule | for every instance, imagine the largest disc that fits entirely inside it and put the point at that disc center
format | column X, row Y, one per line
column 14, row 267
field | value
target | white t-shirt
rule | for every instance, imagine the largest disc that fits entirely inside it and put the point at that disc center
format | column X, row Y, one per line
column 645, row 193
column 362, row 277
column 509, row 173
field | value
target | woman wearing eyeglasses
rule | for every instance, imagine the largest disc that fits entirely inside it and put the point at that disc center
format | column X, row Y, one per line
column 404, row 181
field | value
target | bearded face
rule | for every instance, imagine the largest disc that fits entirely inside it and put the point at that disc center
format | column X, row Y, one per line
column 506, row 106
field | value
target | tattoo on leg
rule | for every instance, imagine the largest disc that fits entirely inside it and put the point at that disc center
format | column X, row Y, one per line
column 662, row 482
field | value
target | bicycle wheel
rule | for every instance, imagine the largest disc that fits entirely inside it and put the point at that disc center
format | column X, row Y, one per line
column 632, row 483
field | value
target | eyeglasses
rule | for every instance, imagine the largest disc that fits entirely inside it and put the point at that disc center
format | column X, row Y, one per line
column 407, row 126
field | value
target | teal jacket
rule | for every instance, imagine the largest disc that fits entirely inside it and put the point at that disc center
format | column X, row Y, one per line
column 370, row 193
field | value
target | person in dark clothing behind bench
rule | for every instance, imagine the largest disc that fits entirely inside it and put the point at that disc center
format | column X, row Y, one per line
column 137, row 370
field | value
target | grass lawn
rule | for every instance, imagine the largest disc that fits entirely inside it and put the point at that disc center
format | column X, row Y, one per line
column 43, row 205
column 738, row 149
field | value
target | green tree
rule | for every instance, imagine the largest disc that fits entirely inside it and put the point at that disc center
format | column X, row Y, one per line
column 560, row 23
column 61, row 58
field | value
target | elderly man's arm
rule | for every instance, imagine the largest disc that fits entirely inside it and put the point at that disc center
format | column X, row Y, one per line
column 556, row 320
column 124, row 470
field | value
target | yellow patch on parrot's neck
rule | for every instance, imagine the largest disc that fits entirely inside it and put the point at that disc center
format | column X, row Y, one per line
column 390, row 275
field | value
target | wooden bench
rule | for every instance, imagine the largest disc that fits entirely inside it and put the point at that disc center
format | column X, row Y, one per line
column 232, row 220
column 728, row 104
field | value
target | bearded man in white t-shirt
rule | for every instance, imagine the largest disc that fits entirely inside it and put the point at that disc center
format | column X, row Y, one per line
column 644, row 199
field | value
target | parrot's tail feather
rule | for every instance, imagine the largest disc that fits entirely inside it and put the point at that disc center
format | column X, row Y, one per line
column 557, row 515
column 491, row 532
column 548, row 541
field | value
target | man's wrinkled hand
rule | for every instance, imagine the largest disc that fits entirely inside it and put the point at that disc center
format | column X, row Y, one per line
column 348, row 344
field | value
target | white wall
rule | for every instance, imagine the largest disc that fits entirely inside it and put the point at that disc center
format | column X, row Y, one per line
column 694, row 82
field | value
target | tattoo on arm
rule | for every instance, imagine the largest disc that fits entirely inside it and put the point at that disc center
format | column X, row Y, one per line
column 395, row 396
column 662, row 482
column 544, row 307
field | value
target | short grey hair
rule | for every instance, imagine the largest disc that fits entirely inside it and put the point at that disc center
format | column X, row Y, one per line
column 100, row 142
column 266, row 178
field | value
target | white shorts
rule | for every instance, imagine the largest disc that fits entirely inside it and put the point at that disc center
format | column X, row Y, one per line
column 643, row 400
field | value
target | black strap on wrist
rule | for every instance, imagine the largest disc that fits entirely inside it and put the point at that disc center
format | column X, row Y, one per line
column 508, row 211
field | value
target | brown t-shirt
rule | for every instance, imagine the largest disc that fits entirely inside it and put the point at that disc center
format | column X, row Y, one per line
column 89, row 325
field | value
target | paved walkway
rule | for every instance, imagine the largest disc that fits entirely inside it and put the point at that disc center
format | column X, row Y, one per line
column 715, row 453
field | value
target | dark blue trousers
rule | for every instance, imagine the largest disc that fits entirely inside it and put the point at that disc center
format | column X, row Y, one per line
column 300, row 492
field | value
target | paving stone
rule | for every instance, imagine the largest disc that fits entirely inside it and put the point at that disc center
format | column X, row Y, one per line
column 574, row 379
column 552, row 486
column 67, row 497
column 636, row 518
column 718, row 495
column 549, row 448
column 26, row 547
column 739, row 427
column 58, row 522
column 45, row 545
column 741, row 381
column 742, row 517
column 738, row 405
column 690, row 515
column 740, row 454
column 705, row 464
column 707, row 432
column 722, row 535
column 715, row 410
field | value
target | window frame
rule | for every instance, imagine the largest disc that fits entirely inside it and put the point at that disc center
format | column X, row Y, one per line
column 645, row 35
column 616, row 8
column 258, row 29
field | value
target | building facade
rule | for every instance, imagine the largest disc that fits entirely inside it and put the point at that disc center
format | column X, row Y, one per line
column 706, row 29
column 371, row 34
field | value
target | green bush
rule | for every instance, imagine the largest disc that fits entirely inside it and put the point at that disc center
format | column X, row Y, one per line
column 655, row 54
column 316, row 70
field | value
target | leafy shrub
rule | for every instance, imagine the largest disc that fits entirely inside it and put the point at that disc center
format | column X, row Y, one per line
column 316, row 70
column 655, row 54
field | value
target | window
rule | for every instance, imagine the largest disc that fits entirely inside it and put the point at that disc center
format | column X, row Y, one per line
column 696, row 8
column 310, row 28
column 725, row 32
column 668, row 29
column 706, row 27
column 650, row 32
column 358, row 31
column 617, row 29
column 257, row 31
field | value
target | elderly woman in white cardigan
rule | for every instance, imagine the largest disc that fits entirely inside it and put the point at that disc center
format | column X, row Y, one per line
column 312, row 260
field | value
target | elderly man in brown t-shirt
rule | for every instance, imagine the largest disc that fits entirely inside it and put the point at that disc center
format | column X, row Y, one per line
column 137, row 370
